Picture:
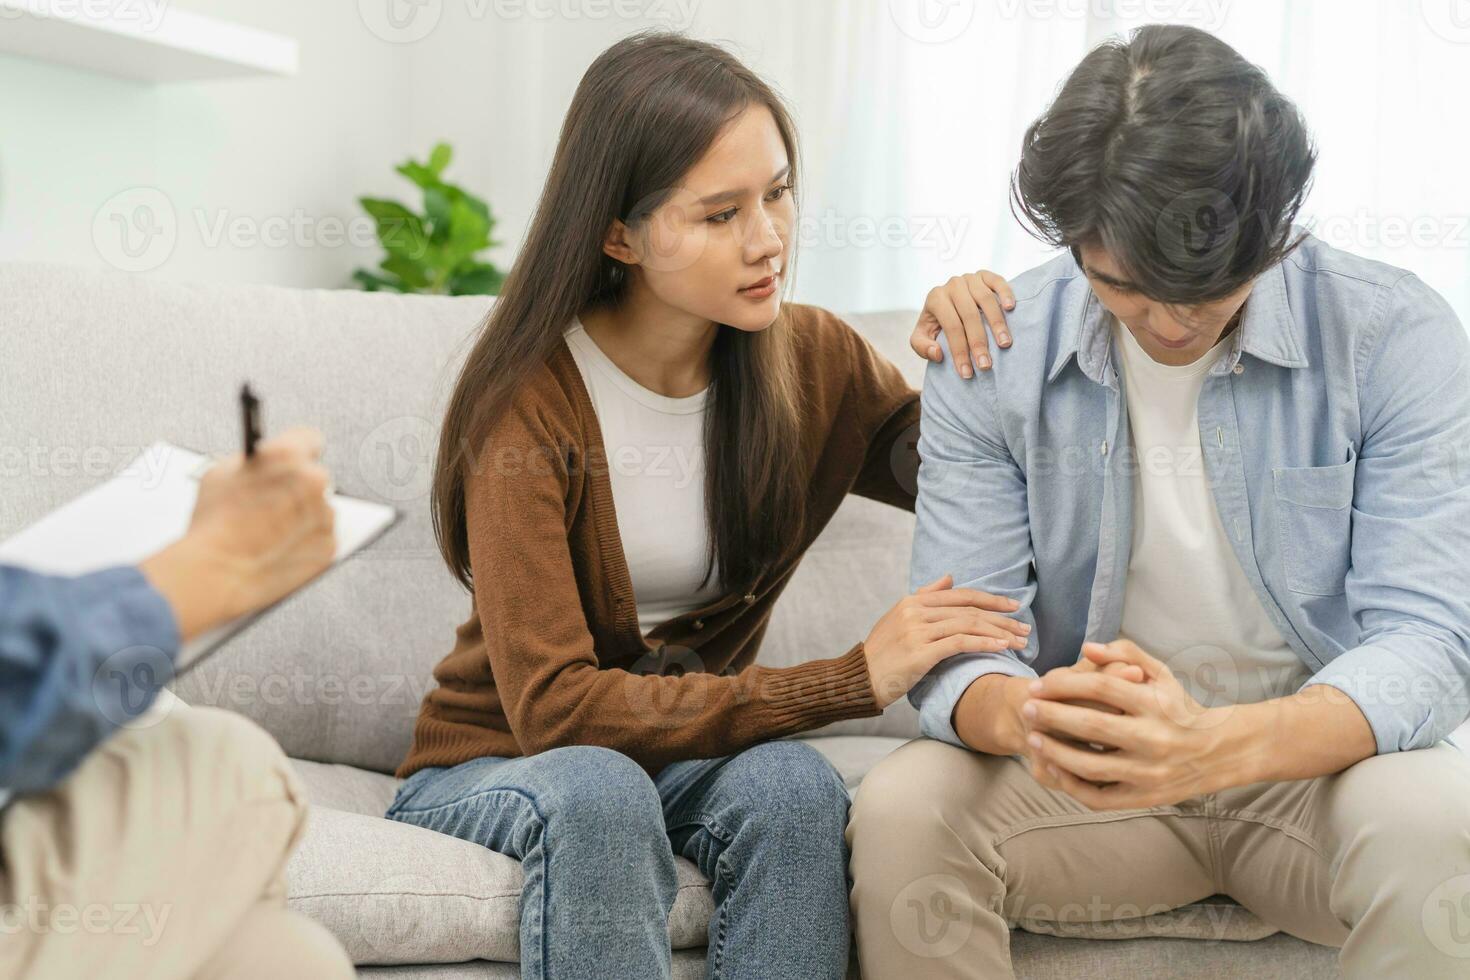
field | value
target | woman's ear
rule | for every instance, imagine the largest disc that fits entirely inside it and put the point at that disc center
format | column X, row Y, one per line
column 618, row 244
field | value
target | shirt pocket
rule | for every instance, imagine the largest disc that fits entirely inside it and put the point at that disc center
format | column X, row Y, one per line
column 1314, row 506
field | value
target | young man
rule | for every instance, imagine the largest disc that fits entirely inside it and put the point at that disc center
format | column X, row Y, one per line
column 1228, row 453
column 143, row 838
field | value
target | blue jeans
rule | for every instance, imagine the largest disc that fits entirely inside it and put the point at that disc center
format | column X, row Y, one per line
column 596, row 837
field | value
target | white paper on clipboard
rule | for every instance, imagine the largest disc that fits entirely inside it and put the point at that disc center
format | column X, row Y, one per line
column 146, row 507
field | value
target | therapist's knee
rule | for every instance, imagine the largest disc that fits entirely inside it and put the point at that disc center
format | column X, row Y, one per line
column 223, row 760
column 275, row 943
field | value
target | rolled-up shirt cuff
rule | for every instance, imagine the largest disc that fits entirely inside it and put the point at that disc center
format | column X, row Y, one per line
column 149, row 618
column 941, row 689
column 114, row 645
column 1407, row 706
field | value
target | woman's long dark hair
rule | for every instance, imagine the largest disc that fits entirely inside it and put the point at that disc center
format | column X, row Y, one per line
column 645, row 112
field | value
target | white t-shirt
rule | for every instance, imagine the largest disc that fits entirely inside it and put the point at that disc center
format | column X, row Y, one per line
column 1186, row 600
column 655, row 455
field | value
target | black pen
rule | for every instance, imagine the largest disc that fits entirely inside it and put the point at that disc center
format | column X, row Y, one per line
column 250, row 418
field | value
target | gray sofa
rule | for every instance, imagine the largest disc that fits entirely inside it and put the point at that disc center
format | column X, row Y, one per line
column 97, row 364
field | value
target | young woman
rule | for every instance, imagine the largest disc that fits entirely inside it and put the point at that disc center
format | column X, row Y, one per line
column 642, row 443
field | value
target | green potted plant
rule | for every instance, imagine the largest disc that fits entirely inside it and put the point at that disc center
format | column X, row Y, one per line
column 432, row 252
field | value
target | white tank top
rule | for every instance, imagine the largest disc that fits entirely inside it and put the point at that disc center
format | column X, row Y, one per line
column 655, row 457
column 1186, row 600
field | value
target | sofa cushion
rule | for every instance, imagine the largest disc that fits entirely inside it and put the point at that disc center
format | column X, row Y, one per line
column 687, row 964
column 1277, row 957
column 851, row 575
column 853, row 756
column 1216, row 918
column 346, row 787
column 396, row 893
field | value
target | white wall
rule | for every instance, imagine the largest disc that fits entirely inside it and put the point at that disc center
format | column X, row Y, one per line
column 910, row 127
column 269, row 161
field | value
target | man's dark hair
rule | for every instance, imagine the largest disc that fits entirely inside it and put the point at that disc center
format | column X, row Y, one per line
column 1176, row 156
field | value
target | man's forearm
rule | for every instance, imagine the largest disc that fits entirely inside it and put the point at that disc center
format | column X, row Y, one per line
column 987, row 716
column 1315, row 732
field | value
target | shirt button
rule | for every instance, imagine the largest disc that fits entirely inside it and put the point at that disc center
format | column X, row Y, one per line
column 1238, row 369
column 699, row 624
column 749, row 598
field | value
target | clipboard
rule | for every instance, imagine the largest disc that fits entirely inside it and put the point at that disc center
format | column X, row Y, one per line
column 146, row 507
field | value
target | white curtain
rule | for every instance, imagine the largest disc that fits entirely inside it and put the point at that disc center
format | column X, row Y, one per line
column 911, row 114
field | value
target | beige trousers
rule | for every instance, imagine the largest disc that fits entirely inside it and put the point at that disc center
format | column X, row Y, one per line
column 162, row 856
column 951, row 847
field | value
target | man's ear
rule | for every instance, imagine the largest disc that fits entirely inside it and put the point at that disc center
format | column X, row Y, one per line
column 618, row 243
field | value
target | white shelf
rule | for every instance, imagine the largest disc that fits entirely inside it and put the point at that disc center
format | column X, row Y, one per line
column 147, row 40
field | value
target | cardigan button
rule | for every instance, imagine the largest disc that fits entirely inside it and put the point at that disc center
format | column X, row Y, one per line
column 699, row 624
column 749, row 598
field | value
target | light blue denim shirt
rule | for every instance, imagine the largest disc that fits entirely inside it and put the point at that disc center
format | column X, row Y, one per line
column 79, row 657
column 1336, row 443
